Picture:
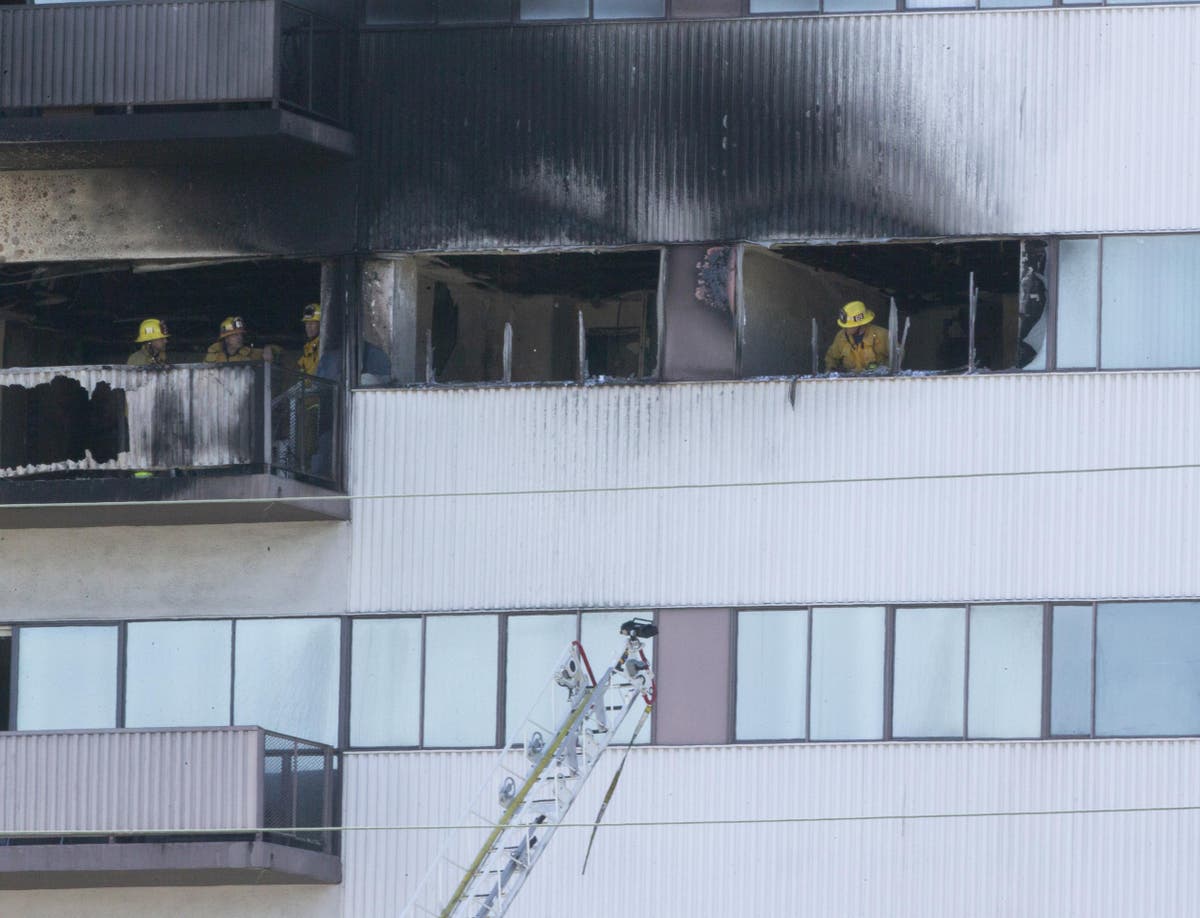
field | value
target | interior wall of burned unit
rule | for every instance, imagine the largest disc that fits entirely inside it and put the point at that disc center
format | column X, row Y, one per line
column 566, row 316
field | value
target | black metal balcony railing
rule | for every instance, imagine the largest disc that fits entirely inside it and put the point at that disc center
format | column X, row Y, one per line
column 176, row 420
column 124, row 57
column 298, row 793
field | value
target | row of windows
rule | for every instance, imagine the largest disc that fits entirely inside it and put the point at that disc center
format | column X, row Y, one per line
column 440, row 681
column 978, row 672
column 865, row 673
column 457, row 12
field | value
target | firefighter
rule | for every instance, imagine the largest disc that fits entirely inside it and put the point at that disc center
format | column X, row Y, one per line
column 307, row 363
column 231, row 346
column 152, row 336
column 859, row 347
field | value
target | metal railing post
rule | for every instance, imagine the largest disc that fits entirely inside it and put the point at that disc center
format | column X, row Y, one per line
column 266, row 414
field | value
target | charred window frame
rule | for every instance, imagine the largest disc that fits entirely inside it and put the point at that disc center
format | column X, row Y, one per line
column 479, row 319
column 942, row 306
column 1024, row 671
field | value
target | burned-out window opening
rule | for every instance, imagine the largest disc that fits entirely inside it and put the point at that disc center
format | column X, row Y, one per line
column 515, row 318
column 88, row 320
column 792, row 296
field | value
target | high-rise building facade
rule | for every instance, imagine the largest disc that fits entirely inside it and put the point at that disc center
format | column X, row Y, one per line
column 576, row 272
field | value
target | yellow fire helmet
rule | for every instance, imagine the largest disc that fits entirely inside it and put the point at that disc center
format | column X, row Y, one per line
column 233, row 325
column 151, row 330
column 854, row 314
column 312, row 313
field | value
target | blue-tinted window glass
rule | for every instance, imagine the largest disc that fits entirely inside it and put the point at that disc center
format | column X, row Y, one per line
column 772, row 674
column 927, row 697
column 1139, row 275
column 554, row 9
column 177, row 674
column 1071, row 672
column 600, row 634
column 385, row 682
column 628, row 9
column 1078, row 302
column 1004, row 691
column 937, row 4
column 1009, row 4
column 858, row 6
column 459, row 11
column 286, row 676
column 1148, row 669
column 399, row 12
column 67, row 678
column 460, row 680
column 847, row 673
column 535, row 644
column 784, row 6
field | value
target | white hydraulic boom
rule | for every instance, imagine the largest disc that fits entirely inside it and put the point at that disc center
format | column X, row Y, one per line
column 540, row 772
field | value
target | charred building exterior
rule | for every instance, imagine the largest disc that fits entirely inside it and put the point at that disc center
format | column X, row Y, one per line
column 927, row 635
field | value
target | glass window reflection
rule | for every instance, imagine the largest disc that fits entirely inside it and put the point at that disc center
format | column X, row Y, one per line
column 286, row 676
column 927, row 697
column 535, row 645
column 1071, row 672
column 385, row 682
column 554, row 9
column 67, row 678
column 460, row 680
column 1141, row 270
column 772, row 674
column 600, row 634
column 847, row 673
column 177, row 674
column 1148, row 669
column 628, row 9
column 1078, row 303
column 1004, row 695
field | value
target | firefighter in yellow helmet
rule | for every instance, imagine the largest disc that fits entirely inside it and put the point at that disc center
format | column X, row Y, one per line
column 307, row 362
column 231, row 346
column 152, row 336
column 860, row 346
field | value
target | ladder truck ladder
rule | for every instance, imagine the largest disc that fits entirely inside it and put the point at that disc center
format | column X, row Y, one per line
column 540, row 772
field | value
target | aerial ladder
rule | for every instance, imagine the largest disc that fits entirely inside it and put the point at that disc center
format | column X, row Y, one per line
column 540, row 772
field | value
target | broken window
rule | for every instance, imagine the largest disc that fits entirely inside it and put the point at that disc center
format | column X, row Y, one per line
column 504, row 318
column 792, row 296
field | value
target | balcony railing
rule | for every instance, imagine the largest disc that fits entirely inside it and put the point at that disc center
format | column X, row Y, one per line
column 147, row 57
column 189, row 418
column 155, row 807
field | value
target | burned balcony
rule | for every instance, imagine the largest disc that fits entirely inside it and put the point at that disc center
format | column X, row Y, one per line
column 188, row 807
column 95, row 84
column 109, row 445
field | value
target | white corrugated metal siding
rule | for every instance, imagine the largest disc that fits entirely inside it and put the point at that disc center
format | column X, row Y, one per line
column 137, row 53
column 130, row 779
column 1111, row 864
column 784, row 129
column 726, row 494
